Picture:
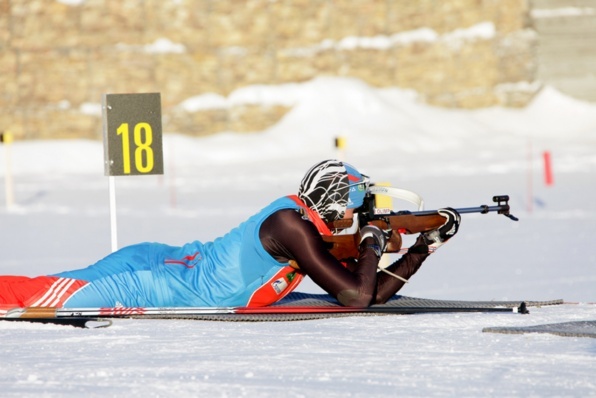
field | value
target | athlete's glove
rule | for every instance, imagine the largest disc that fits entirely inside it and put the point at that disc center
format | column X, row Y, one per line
column 371, row 231
column 435, row 238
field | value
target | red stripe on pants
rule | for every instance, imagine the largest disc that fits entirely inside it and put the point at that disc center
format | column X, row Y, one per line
column 42, row 291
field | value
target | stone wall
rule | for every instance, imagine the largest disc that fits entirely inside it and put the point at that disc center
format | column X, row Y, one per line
column 566, row 52
column 57, row 58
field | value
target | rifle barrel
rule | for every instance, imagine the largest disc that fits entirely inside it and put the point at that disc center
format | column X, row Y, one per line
column 501, row 207
column 462, row 210
column 483, row 209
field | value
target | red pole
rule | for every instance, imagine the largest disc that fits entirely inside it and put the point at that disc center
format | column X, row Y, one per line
column 548, row 169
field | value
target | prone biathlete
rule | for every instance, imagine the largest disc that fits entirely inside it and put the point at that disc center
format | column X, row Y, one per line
column 255, row 264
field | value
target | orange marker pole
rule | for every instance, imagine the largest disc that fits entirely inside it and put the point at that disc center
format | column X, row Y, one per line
column 548, row 169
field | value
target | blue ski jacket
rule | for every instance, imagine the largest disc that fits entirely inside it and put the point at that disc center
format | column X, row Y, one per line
column 225, row 272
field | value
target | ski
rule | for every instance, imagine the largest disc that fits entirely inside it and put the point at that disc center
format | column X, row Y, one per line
column 295, row 306
column 153, row 312
column 84, row 322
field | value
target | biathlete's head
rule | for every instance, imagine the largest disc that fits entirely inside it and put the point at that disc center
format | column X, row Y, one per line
column 331, row 187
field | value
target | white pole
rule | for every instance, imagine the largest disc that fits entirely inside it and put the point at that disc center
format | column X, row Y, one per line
column 113, row 223
column 172, row 173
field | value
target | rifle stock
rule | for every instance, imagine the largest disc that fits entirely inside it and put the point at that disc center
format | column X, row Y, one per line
column 344, row 247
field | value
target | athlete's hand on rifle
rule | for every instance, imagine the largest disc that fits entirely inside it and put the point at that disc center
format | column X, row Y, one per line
column 371, row 231
column 435, row 238
column 434, row 227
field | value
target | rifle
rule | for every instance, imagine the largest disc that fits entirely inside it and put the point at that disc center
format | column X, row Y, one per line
column 397, row 223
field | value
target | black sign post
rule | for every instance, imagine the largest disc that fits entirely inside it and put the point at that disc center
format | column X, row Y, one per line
column 132, row 139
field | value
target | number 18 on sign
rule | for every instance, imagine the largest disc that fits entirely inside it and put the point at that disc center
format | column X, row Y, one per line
column 132, row 134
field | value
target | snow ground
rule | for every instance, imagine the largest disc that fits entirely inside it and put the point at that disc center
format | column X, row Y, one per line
column 452, row 158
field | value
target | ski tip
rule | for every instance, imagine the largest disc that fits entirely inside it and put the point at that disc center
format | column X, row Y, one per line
column 98, row 323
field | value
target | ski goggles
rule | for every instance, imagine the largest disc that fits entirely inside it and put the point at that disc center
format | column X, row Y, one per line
column 357, row 192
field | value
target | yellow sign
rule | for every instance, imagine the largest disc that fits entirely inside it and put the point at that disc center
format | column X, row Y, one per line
column 383, row 201
column 6, row 137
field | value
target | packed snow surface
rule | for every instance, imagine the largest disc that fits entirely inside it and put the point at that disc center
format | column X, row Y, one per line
column 60, row 220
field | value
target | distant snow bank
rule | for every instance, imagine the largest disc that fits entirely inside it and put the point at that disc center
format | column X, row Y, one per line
column 373, row 121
